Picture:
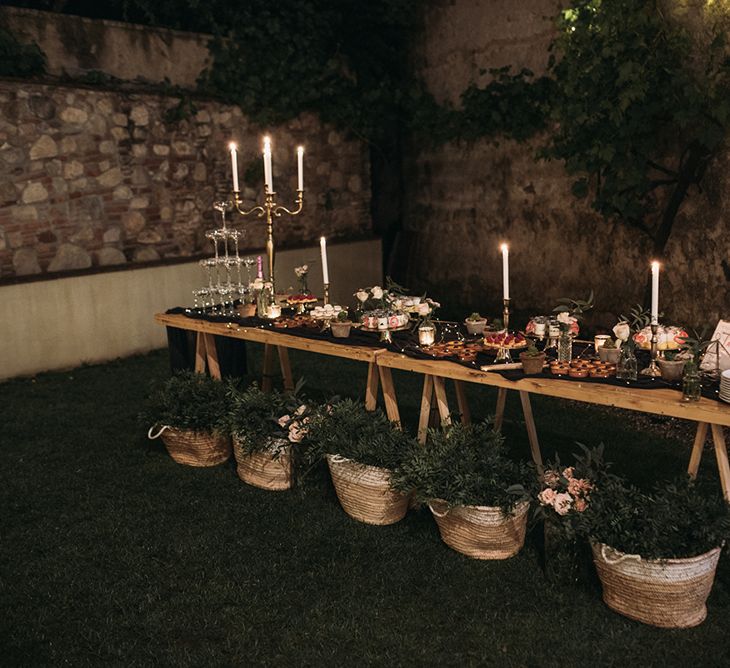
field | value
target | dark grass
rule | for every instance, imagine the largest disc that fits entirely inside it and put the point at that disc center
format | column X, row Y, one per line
column 112, row 554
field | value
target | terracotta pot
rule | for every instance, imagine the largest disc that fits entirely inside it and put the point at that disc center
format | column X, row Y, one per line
column 341, row 330
column 532, row 364
column 475, row 327
column 672, row 369
column 609, row 354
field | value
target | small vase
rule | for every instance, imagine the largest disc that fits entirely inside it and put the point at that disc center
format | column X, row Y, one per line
column 426, row 335
column 565, row 347
column 691, row 383
column 627, row 368
column 303, row 288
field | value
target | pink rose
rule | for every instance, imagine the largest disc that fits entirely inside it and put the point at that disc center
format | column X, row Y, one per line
column 547, row 497
column 568, row 472
column 296, row 434
column 563, row 503
column 530, row 327
column 580, row 505
column 423, row 309
column 283, row 420
column 551, row 478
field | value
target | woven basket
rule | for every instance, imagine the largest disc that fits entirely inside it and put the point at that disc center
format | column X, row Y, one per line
column 481, row 532
column 670, row 593
column 194, row 448
column 262, row 470
column 364, row 492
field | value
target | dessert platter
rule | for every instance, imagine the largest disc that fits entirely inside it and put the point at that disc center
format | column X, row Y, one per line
column 464, row 351
column 580, row 368
column 301, row 301
column 512, row 341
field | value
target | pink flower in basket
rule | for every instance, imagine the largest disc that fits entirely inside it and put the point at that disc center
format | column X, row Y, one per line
column 283, row 420
column 551, row 478
column 547, row 497
column 580, row 505
column 563, row 503
column 568, row 472
column 296, row 433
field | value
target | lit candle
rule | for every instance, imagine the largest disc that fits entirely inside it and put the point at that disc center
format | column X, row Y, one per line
column 325, row 270
column 268, row 180
column 300, row 167
column 505, row 270
column 259, row 267
column 654, row 293
column 234, row 165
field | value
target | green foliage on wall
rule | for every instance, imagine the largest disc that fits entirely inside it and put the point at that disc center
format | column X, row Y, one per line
column 18, row 59
column 640, row 105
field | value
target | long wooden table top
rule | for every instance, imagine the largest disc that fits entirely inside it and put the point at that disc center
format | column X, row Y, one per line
column 661, row 401
column 270, row 336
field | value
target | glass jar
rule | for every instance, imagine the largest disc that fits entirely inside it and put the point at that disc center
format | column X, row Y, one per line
column 627, row 368
column 426, row 335
column 691, row 382
column 565, row 347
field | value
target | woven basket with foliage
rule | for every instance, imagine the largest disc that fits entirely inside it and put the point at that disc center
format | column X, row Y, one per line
column 365, row 493
column 194, row 448
column 264, row 469
column 670, row 593
column 482, row 532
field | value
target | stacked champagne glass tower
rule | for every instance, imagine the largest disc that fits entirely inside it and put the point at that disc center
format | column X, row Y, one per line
column 225, row 281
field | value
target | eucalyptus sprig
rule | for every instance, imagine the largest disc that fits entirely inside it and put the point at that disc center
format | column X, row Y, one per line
column 576, row 308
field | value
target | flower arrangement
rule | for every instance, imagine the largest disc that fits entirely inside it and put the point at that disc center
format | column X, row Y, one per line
column 563, row 492
column 301, row 273
column 570, row 312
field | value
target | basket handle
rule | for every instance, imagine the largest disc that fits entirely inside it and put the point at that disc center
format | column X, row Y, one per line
column 436, row 512
column 159, row 433
column 618, row 560
column 337, row 459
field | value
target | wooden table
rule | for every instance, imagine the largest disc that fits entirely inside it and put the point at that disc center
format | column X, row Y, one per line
column 276, row 341
column 709, row 414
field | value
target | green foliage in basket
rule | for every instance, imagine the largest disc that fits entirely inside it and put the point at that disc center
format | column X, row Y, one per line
column 187, row 400
column 465, row 465
column 343, row 316
column 678, row 519
column 260, row 420
column 345, row 428
column 475, row 317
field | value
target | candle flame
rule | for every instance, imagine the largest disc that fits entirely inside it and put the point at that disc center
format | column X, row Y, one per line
column 655, row 265
column 504, row 248
column 267, row 143
column 300, row 150
column 322, row 240
column 232, row 146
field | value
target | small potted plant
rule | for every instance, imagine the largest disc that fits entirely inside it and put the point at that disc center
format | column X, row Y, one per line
column 609, row 352
column 362, row 449
column 187, row 411
column 475, row 324
column 341, row 325
column 671, row 366
column 477, row 494
column 656, row 552
column 269, row 432
column 532, row 360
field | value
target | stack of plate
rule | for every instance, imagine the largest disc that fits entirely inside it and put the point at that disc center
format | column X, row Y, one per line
column 725, row 386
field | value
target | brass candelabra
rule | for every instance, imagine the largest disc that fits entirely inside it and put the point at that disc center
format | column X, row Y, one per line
column 270, row 210
column 503, row 354
column 326, row 298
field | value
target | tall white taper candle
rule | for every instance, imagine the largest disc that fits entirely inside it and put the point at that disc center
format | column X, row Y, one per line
column 234, row 165
column 300, row 167
column 268, row 178
column 654, row 293
column 505, row 270
column 325, row 269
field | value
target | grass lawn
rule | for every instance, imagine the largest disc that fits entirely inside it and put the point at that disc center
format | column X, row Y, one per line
column 112, row 554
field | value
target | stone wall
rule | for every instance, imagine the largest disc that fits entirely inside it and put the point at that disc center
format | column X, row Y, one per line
column 464, row 200
column 91, row 178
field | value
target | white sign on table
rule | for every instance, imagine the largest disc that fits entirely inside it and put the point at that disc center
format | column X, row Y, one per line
column 721, row 348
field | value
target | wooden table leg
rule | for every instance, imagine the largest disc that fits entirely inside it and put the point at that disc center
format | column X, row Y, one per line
column 499, row 412
column 389, row 398
column 425, row 408
column 697, row 447
column 214, row 367
column 267, row 381
column 718, row 438
column 286, row 373
column 462, row 402
column 439, row 388
column 200, row 355
column 371, row 389
column 531, row 429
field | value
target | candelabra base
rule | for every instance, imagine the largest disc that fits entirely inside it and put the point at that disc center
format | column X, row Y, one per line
column 503, row 356
column 652, row 370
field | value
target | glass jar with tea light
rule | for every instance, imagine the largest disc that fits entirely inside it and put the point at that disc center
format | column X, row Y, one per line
column 426, row 334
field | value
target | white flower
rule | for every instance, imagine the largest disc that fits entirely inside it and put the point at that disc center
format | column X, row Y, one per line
column 565, row 318
column 423, row 309
column 301, row 409
column 377, row 292
column 296, row 434
column 362, row 295
column 622, row 331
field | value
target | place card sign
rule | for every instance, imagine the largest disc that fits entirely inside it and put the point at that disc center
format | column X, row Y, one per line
column 721, row 348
